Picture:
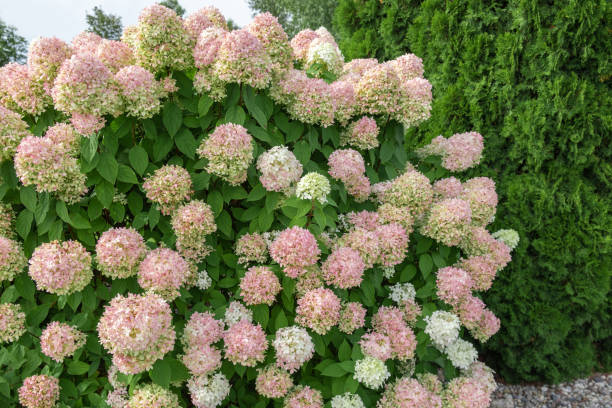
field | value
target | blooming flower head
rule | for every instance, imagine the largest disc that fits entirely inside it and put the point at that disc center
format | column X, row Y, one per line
column 313, row 186
column 414, row 103
column 273, row 382
column 12, row 130
column 347, row 400
column 86, row 42
column 365, row 242
column 466, row 392
column 236, row 312
column 293, row 346
column 376, row 345
column 7, row 216
column 163, row 271
column 202, row 19
column 201, row 359
column 202, row 329
column 64, row 135
column 119, row 252
column 85, row 85
column 39, row 391
column 117, row 398
column 461, row 353
column 407, row 67
column 12, row 259
column 325, row 54
column 312, row 278
column 274, row 40
column 229, row 150
column 443, row 328
column 483, row 374
column 87, row 124
column 377, row 91
column 160, row 41
column 208, row 42
column 279, row 168
column 61, row 268
column 318, row 310
column 412, row 189
column 402, row 292
column 115, row 54
column 20, row 92
column 252, row 248
column 362, row 134
column 508, row 236
column 411, row 311
column 243, row 59
column 393, row 244
column 12, row 322
column 60, row 340
column 208, row 391
column 140, row 92
column 408, row 393
column 371, row 372
column 448, row 221
column 137, row 330
column 245, row 343
column 449, row 187
column 303, row 396
column 301, row 42
column 168, row 187
column 45, row 56
column 480, row 193
column 259, row 286
column 348, row 166
column 48, row 166
column 352, row 317
column 479, row 242
column 343, row 268
column 153, row 396
column 191, row 223
column 481, row 270
column 459, row 152
column 295, row 249
column 454, row 285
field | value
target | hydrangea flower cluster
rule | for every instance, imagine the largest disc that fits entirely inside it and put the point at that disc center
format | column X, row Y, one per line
column 45, row 57
column 153, row 396
column 252, row 248
column 245, row 343
column 371, row 372
column 259, row 286
column 140, row 91
column 313, row 186
column 319, row 310
column 229, row 150
column 348, row 166
column 352, row 317
column 362, row 134
column 137, row 330
column 295, row 249
column 293, row 346
column 12, row 259
column 459, row 152
column 343, row 268
column 12, row 322
column 39, row 391
column 208, row 391
column 200, row 356
column 119, row 252
column 12, row 130
column 408, row 393
column 61, row 268
column 60, row 340
column 279, row 169
column 20, row 92
column 347, row 400
column 273, row 382
column 236, row 312
column 163, row 271
column 168, row 186
column 191, row 223
column 303, row 396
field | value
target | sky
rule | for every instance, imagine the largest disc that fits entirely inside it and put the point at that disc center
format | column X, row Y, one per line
column 66, row 18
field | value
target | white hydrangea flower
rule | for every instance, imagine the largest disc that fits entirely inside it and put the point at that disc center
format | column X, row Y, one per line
column 270, row 237
column 280, row 169
column 388, row 272
column 371, row 372
column 313, row 186
column 325, row 53
column 347, row 400
column 461, row 353
column 402, row 292
column 236, row 312
column 483, row 374
column 208, row 391
column 203, row 280
column 293, row 347
column 508, row 236
column 443, row 328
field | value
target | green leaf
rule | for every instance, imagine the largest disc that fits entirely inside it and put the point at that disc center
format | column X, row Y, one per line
column 77, row 368
column 78, row 221
column 261, row 314
column 425, row 264
column 334, row 370
column 135, row 203
column 126, row 175
column 257, row 193
column 139, row 159
column 186, row 143
column 27, row 195
column 204, row 105
column 24, row 223
column 344, row 351
column 281, row 320
column 224, row 223
column 161, row 147
column 105, row 193
column 161, row 373
column 108, row 167
column 42, row 208
column 215, row 200
column 172, row 117
column 250, row 100
column 236, row 115
column 386, row 151
column 25, row 286
column 89, row 147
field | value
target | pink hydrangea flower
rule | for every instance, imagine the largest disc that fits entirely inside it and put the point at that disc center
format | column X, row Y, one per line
column 362, row 134
column 201, row 359
column 140, row 91
column 303, row 396
column 412, row 189
column 12, row 322
column 229, row 150
column 243, row 59
column 293, row 346
column 164, row 272
column 449, row 187
column 274, row 40
column 202, row 19
column 66, row 137
column 480, row 193
column 12, row 259
column 301, row 42
column 459, row 152
column 168, row 187
column 295, row 249
column 481, row 269
column 60, row 340
column 39, row 391
column 318, row 310
column 352, row 317
column 61, row 268
column 393, row 244
column 273, row 382
column 407, row 67
column 465, row 392
column 390, row 214
column 20, row 92
column 343, row 268
column 259, row 286
column 137, row 330
column 12, row 130
column 86, row 42
column 448, row 221
column 279, row 168
column 191, row 223
column 152, row 396
column 202, row 329
column 119, row 252
column 87, row 124
column 343, row 98
column 378, row 90
column 408, row 393
column 115, row 55
column 365, row 242
column 207, row 47
column 252, row 248
column 45, row 56
column 376, row 345
column 245, row 343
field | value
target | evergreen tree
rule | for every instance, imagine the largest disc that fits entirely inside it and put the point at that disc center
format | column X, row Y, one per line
column 13, row 47
column 105, row 25
column 174, row 5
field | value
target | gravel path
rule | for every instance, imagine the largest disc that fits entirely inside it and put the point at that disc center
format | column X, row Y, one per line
column 594, row 392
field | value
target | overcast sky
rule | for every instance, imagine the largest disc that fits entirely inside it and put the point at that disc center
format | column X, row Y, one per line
column 66, row 18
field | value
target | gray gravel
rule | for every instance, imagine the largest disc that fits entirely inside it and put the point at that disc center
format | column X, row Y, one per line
column 594, row 392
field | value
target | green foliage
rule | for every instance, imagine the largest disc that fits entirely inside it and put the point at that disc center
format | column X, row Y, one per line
column 533, row 77
column 13, row 47
column 296, row 15
column 116, row 161
column 174, row 5
column 105, row 25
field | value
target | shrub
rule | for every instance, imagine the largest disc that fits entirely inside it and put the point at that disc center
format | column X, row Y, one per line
column 533, row 78
column 202, row 232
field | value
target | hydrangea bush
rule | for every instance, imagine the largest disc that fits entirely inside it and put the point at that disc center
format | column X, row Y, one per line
column 193, row 216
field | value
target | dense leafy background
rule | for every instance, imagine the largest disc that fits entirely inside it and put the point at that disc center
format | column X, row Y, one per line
column 533, row 77
column 117, row 159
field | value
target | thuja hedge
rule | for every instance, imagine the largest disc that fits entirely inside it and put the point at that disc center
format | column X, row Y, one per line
column 192, row 216
column 534, row 78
